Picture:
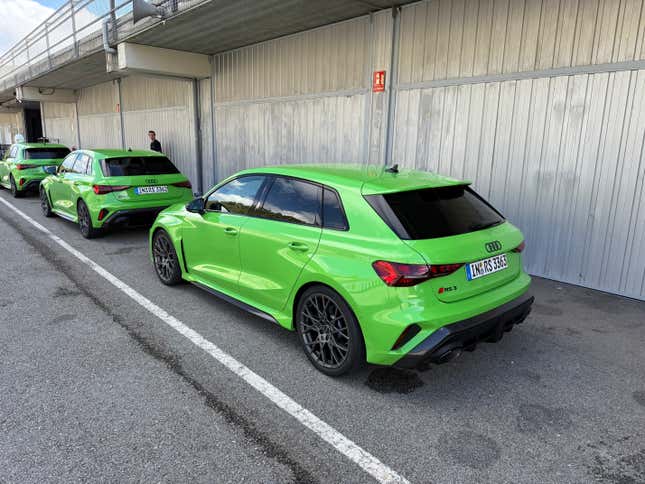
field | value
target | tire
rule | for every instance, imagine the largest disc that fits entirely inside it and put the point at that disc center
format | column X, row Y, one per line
column 14, row 189
column 45, row 206
column 165, row 259
column 85, row 221
column 323, row 314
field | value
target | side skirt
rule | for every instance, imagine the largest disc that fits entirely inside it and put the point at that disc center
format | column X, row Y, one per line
column 63, row 215
column 242, row 305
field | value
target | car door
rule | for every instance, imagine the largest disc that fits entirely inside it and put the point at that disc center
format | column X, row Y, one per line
column 211, row 239
column 75, row 180
column 280, row 238
column 59, row 190
column 5, row 164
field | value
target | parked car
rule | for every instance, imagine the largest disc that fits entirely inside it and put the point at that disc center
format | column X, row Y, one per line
column 106, row 188
column 405, row 268
column 24, row 165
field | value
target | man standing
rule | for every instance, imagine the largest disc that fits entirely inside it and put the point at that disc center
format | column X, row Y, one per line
column 154, row 142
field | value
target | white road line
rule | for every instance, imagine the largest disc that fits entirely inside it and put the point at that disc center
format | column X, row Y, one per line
column 369, row 463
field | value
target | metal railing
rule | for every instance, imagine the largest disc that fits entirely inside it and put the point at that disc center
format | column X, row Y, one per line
column 72, row 31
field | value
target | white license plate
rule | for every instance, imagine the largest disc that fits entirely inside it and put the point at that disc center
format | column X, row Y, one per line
column 151, row 190
column 486, row 266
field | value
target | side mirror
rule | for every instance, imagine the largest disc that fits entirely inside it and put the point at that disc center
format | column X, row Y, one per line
column 196, row 206
column 50, row 170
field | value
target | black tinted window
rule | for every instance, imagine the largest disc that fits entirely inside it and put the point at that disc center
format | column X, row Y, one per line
column 333, row 216
column 435, row 212
column 138, row 165
column 236, row 196
column 292, row 201
column 45, row 153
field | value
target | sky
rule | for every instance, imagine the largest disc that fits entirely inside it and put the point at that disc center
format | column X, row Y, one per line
column 19, row 17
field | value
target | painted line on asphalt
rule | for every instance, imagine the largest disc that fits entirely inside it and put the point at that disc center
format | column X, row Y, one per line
column 365, row 460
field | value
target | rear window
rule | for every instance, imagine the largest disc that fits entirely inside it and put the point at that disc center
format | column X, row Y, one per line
column 138, row 165
column 431, row 213
column 46, row 153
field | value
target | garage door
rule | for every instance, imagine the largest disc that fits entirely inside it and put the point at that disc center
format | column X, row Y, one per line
column 541, row 104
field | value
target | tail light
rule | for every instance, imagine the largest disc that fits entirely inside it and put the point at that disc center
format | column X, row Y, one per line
column 24, row 166
column 184, row 184
column 520, row 247
column 405, row 275
column 103, row 189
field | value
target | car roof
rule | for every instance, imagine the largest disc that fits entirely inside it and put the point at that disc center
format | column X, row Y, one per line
column 41, row 145
column 102, row 153
column 368, row 179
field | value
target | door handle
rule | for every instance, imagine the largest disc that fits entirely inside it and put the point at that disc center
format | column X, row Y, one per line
column 230, row 231
column 298, row 246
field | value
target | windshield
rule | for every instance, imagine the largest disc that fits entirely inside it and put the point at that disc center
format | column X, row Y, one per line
column 138, row 165
column 45, row 153
column 431, row 213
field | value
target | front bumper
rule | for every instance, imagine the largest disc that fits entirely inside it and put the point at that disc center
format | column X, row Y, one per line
column 135, row 217
column 449, row 341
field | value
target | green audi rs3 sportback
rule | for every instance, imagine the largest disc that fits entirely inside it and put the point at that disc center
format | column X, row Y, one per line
column 105, row 188
column 26, row 164
column 396, row 268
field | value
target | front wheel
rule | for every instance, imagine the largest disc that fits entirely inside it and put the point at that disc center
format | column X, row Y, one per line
column 85, row 222
column 165, row 259
column 14, row 188
column 44, row 203
column 329, row 331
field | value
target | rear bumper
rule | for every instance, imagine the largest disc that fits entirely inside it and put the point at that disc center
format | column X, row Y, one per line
column 450, row 340
column 134, row 217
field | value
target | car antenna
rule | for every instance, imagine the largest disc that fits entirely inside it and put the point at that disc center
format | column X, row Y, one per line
column 393, row 169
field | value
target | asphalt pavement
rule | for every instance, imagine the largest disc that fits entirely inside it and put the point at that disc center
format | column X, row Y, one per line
column 96, row 388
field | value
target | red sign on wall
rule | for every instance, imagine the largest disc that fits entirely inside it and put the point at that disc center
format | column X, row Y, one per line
column 378, row 81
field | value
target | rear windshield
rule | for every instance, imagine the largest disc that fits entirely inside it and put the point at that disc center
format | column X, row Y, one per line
column 431, row 213
column 138, row 165
column 45, row 153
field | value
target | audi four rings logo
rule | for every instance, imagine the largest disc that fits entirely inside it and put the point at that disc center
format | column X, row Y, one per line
column 493, row 246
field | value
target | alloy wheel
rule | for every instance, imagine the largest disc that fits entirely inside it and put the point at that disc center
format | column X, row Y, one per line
column 165, row 262
column 44, row 203
column 83, row 219
column 325, row 331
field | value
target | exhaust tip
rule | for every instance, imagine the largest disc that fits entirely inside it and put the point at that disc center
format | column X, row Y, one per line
column 449, row 355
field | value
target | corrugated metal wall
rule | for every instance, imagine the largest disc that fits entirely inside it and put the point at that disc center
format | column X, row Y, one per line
column 99, row 119
column 10, row 125
column 553, row 143
column 167, row 107
column 302, row 98
column 60, row 123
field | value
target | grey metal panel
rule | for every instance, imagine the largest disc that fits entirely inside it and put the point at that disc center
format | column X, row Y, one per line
column 98, row 116
column 443, row 39
column 10, row 125
column 562, row 157
column 60, row 122
column 208, row 166
column 327, row 59
column 167, row 107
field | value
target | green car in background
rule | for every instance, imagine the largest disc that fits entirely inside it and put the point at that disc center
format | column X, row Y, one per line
column 105, row 188
column 396, row 268
column 25, row 164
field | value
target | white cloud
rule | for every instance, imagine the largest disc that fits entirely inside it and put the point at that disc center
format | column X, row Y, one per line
column 19, row 17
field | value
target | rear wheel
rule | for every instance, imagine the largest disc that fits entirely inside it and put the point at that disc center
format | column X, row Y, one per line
column 14, row 188
column 44, row 203
column 329, row 331
column 165, row 259
column 85, row 221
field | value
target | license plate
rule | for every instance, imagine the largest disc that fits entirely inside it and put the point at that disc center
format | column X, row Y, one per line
column 151, row 190
column 486, row 266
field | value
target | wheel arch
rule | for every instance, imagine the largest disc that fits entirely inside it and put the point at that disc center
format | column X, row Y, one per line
column 177, row 241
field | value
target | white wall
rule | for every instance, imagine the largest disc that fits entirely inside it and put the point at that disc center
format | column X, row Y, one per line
column 59, row 120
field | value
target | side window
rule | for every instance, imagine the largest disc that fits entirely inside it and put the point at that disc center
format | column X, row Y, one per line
column 14, row 151
column 294, row 201
column 68, row 163
column 81, row 164
column 237, row 196
column 333, row 214
column 88, row 168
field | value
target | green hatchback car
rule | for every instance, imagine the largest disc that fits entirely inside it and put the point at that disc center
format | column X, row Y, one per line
column 105, row 188
column 25, row 164
column 392, row 267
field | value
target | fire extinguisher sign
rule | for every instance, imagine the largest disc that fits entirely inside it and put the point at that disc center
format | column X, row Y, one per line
column 378, row 81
